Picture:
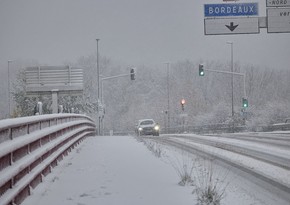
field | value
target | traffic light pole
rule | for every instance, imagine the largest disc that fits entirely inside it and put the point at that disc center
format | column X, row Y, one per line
column 232, row 73
column 116, row 76
column 245, row 104
column 102, row 86
column 109, row 78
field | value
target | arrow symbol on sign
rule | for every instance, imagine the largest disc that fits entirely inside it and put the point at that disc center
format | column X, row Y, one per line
column 232, row 27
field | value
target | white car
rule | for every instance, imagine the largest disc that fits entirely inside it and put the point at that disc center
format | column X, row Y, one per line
column 147, row 127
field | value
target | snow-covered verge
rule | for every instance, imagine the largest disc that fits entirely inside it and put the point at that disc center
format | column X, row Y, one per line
column 276, row 173
column 121, row 170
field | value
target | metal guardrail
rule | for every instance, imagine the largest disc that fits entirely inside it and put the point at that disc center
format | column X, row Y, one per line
column 213, row 129
column 31, row 146
column 205, row 129
column 279, row 127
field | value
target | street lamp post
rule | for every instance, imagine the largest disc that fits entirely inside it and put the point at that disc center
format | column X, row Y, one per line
column 168, row 97
column 232, row 81
column 8, row 76
column 98, row 93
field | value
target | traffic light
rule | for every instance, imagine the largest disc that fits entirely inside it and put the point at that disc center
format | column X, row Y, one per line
column 201, row 70
column 182, row 102
column 132, row 74
column 245, row 102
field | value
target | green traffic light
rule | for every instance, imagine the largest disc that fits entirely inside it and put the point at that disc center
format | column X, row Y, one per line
column 245, row 103
column 201, row 70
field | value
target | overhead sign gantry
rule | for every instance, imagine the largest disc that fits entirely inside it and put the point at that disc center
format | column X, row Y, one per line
column 233, row 18
column 242, row 18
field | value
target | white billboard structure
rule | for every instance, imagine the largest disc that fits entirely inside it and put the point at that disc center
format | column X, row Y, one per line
column 54, row 80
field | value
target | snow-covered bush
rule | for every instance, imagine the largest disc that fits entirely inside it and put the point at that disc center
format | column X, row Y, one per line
column 218, row 115
column 271, row 113
column 209, row 186
column 184, row 168
column 152, row 146
column 209, row 183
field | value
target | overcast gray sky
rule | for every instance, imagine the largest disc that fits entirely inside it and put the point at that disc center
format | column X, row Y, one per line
column 132, row 31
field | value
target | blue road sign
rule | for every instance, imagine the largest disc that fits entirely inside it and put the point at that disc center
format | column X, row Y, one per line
column 236, row 9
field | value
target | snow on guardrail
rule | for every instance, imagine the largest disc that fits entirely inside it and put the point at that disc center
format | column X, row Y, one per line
column 31, row 146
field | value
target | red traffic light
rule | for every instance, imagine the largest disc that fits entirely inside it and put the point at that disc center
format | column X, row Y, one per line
column 182, row 101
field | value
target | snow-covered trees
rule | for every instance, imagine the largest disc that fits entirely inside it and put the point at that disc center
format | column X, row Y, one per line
column 208, row 98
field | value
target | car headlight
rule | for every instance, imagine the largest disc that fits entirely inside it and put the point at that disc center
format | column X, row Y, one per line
column 156, row 127
column 140, row 129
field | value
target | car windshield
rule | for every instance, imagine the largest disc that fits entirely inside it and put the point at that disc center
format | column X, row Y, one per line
column 147, row 122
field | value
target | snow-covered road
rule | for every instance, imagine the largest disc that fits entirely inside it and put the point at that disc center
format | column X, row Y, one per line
column 111, row 170
column 120, row 170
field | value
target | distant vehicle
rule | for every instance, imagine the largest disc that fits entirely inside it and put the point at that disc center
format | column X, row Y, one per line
column 147, row 127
